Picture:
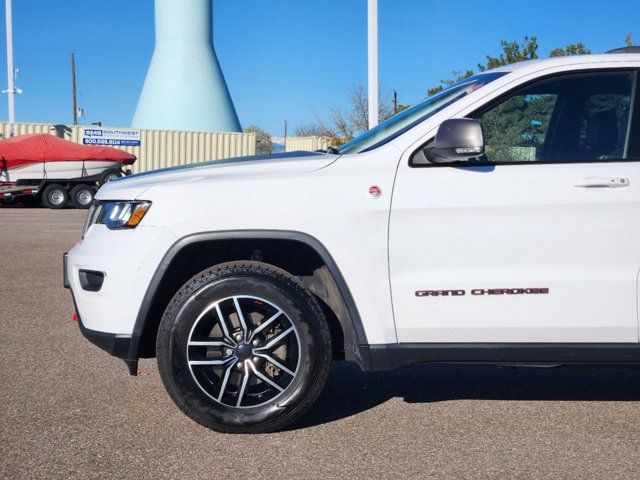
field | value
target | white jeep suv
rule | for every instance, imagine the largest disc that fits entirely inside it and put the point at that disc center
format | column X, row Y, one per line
column 492, row 223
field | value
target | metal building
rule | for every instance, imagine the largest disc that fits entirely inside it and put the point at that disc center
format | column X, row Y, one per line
column 157, row 148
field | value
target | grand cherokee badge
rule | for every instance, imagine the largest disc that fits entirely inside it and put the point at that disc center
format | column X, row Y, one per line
column 483, row 291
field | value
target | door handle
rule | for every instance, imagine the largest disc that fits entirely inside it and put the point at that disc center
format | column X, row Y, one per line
column 602, row 182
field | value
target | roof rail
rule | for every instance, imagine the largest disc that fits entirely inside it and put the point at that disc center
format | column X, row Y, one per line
column 630, row 49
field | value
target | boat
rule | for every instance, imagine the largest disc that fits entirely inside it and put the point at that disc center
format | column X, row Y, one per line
column 37, row 157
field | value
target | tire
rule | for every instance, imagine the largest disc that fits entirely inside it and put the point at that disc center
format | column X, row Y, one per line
column 82, row 196
column 108, row 175
column 213, row 395
column 30, row 200
column 55, row 196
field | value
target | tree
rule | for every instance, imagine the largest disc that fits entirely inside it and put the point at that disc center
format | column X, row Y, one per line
column 345, row 124
column 512, row 52
column 458, row 76
column 309, row 130
column 571, row 49
column 263, row 139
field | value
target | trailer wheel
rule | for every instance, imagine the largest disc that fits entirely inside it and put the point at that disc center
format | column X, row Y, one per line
column 55, row 196
column 82, row 195
column 108, row 175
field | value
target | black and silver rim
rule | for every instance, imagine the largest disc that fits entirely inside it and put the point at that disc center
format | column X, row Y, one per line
column 84, row 197
column 110, row 176
column 56, row 197
column 243, row 351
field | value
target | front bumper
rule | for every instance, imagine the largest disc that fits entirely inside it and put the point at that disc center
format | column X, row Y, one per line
column 112, row 343
column 128, row 260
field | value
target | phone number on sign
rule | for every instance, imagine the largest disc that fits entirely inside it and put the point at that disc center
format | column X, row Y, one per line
column 108, row 141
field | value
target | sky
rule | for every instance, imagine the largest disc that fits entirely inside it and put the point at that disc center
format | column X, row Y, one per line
column 284, row 59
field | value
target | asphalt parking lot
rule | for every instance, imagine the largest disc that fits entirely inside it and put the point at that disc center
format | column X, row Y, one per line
column 68, row 410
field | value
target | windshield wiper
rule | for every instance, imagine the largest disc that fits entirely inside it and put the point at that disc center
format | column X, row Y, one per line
column 332, row 150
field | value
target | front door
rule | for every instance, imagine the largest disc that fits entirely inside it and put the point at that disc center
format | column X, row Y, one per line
column 539, row 239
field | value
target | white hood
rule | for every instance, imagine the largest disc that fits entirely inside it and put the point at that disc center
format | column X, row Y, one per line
column 291, row 163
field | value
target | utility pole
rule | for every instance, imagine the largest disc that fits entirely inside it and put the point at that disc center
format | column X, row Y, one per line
column 73, row 88
column 372, row 42
column 11, row 90
column 285, row 136
column 395, row 102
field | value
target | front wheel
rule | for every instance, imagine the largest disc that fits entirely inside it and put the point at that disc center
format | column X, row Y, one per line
column 243, row 347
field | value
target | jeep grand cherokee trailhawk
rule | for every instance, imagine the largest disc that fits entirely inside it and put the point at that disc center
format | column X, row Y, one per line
column 494, row 223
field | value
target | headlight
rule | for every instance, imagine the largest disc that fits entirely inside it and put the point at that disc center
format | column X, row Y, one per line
column 117, row 214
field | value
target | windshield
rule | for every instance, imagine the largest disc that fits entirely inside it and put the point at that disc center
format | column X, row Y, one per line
column 403, row 121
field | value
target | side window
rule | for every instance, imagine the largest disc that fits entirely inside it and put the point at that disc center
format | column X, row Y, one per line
column 605, row 125
column 576, row 117
column 515, row 130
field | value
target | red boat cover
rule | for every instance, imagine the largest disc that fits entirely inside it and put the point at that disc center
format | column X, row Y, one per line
column 25, row 149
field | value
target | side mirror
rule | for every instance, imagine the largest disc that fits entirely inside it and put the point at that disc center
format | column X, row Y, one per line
column 457, row 139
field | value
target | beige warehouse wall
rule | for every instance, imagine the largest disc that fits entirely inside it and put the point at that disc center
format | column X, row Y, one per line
column 159, row 148
column 310, row 144
column 26, row 128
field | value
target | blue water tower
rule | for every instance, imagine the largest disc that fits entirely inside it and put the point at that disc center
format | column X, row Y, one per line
column 185, row 88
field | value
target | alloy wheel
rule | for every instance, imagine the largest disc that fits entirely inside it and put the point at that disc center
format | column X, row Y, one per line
column 84, row 197
column 56, row 197
column 243, row 351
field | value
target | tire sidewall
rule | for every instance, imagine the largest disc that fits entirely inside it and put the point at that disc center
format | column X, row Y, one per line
column 74, row 194
column 47, row 192
column 208, row 290
column 104, row 176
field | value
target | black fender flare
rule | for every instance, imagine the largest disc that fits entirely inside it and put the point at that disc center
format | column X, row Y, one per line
column 354, row 323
